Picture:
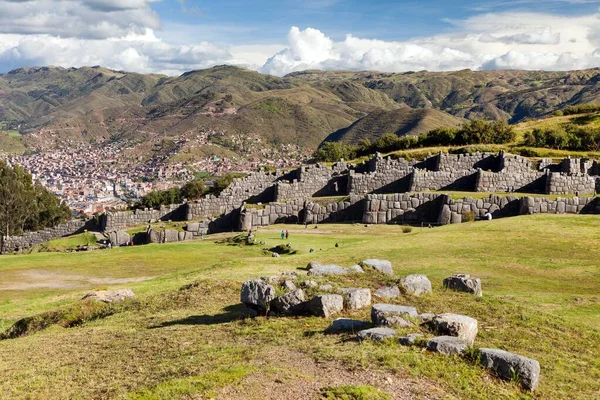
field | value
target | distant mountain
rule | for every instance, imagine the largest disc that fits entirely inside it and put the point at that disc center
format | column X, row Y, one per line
column 58, row 107
column 403, row 121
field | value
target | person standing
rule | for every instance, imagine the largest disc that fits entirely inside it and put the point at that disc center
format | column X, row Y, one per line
column 287, row 235
column 282, row 235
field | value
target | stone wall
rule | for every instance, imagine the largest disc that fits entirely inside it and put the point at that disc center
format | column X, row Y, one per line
column 529, row 182
column 460, row 180
column 347, row 210
column 31, row 239
column 564, row 184
column 270, row 214
column 468, row 162
column 124, row 219
column 317, row 180
column 402, row 208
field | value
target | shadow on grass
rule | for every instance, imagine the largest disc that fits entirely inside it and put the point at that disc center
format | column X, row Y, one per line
column 232, row 313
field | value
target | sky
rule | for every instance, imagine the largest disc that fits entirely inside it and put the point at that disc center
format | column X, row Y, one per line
column 279, row 37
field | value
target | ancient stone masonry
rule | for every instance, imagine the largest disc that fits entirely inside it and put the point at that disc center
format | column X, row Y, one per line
column 301, row 211
column 270, row 214
column 381, row 174
column 529, row 182
column 462, row 180
column 123, row 219
column 313, row 181
column 564, row 184
column 402, row 208
column 254, row 188
column 30, row 239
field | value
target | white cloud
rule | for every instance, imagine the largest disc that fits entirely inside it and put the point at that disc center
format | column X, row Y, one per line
column 126, row 34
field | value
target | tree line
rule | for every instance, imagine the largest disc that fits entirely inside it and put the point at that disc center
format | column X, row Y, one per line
column 25, row 205
column 476, row 131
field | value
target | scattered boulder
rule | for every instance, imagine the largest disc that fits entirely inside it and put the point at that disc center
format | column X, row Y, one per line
column 276, row 255
column 331, row 269
column 448, row 345
column 506, row 365
column 289, row 303
column 388, row 292
column 464, row 283
column 355, row 299
column 326, row 305
column 426, row 316
column 154, row 236
column 347, row 325
column 376, row 334
column 289, row 285
column 383, row 266
column 391, row 314
column 356, row 269
column 410, row 340
column 416, row 284
column 309, row 283
column 326, row 288
column 313, row 264
column 257, row 294
column 110, row 296
column 457, row 325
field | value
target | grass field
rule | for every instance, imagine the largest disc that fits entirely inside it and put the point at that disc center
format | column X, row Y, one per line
column 541, row 280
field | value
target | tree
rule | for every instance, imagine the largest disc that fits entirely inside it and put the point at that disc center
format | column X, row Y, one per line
column 193, row 190
column 25, row 206
column 335, row 151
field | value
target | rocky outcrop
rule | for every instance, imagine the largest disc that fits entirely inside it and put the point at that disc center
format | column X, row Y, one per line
column 110, row 296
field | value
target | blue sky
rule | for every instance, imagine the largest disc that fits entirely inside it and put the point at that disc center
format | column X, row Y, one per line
column 263, row 21
column 279, row 37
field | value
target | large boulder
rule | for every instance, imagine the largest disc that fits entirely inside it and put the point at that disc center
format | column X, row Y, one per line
column 154, row 236
column 313, row 264
column 445, row 215
column 416, row 284
column 257, row 294
column 355, row 299
column 376, row 334
column 391, row 314
column 110, row 296
column 457, row 325
column 448, row 345
column 464, row 283
column 326, row 305
column 388, row 292
column 291, row 303
column 170, row 236
column 193, row 227
column 347, row 325
column 383, row 266
column 331, row 269
column 509, row 366
column 119, row 238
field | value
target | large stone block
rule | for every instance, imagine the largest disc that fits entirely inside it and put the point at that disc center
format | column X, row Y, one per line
column 509, row 366
column 457, row 325
column 416, row 285
column 390, row 314
column 447, row 345
column 383, row 266
column 355, row 299
column 464, row 283
column 257, row 294
column 326, row 305
column 291, row 303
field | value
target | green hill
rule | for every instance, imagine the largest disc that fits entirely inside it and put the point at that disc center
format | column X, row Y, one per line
column 404, row 121
column 95, row 104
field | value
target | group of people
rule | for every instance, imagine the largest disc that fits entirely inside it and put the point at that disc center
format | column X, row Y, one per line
column 285, row 235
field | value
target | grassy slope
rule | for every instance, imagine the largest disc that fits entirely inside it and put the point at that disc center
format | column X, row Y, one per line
column 539, row 301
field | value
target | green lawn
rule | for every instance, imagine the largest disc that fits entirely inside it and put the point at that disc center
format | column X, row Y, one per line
column 541, row 280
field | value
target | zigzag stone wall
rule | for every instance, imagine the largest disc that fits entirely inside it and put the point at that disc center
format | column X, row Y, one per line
column 31, row 239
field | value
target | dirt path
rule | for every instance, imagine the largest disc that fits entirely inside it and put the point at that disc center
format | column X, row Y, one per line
column 296, row 376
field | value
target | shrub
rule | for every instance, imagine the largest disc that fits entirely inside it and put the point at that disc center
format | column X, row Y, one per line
column 335, row 151
column 406, row 229
column 468, row 217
